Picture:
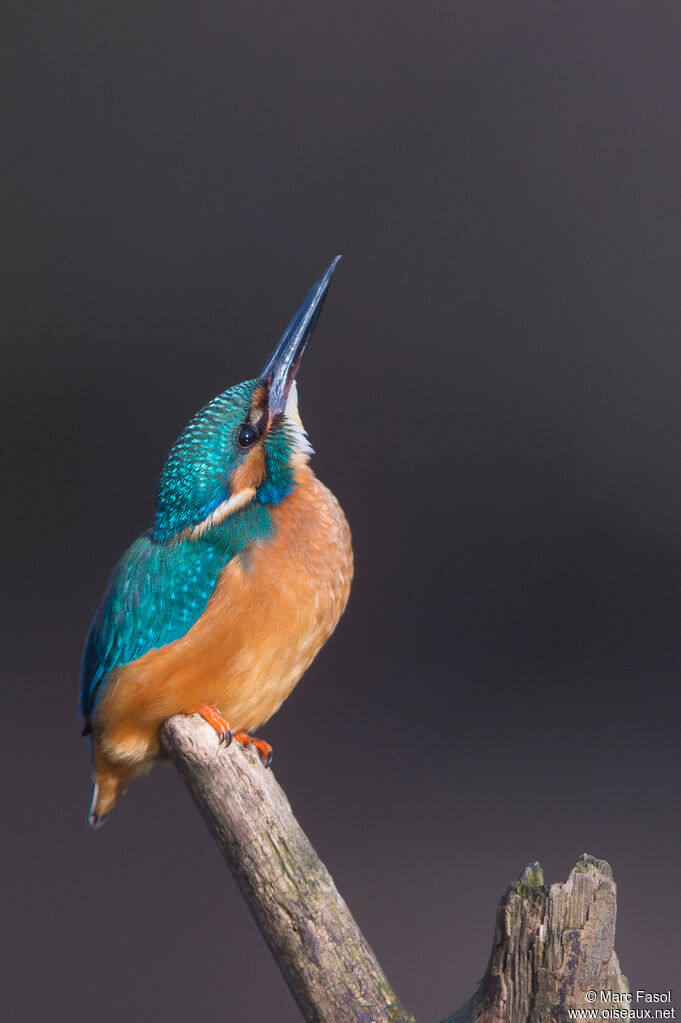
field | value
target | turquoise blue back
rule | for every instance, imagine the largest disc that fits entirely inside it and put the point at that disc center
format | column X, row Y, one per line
column 162, row 584
column 156, row 593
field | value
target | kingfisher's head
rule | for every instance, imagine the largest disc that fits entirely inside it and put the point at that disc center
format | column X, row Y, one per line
column 246, row 445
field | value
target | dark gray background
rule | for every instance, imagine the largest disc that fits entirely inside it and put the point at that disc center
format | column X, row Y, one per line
column 493, row 392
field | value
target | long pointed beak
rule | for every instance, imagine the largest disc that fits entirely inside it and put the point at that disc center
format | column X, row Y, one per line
column 281, row 369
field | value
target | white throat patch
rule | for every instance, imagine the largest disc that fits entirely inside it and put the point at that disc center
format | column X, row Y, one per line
column 301, row 443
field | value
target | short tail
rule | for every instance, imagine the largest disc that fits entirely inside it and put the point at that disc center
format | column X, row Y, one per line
column 93, row 819
column 110, row 781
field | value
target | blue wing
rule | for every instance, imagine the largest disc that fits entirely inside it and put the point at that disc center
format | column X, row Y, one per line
column 155, row 595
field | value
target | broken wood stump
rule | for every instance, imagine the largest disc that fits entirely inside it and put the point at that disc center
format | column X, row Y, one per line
column 551, row 945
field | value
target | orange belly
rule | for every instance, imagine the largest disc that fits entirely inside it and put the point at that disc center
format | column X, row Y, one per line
column 274, row 606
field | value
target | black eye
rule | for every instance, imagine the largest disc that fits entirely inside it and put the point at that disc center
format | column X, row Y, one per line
column 246, row 436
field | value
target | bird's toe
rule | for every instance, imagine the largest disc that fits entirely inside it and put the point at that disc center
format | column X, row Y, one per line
column 263, row 748
column 220, row 725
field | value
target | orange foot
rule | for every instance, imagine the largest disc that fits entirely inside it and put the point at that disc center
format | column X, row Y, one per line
column 263, row 748
column 216, row 721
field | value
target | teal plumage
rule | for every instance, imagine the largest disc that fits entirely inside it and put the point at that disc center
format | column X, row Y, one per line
column 163, row 582
column 194, row 480
column 222, row 603
column 155, row 595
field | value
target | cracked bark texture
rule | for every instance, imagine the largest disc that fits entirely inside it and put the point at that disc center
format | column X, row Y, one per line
column 551, row 946
column 326, row 961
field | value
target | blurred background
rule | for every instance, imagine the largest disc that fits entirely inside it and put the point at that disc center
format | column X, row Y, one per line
column 493, row 393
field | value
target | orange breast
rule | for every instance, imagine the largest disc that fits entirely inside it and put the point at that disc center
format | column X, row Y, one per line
column 274, row 606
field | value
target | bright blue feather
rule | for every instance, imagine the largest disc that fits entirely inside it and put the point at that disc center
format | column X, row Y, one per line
column 156, row 593
column 162, row 584
column 195, row 477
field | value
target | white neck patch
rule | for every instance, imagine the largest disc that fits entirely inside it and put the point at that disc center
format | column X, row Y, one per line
column 301, row 443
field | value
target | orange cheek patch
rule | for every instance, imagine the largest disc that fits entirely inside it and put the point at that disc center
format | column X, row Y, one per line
column 251, row 472
column 258, row 402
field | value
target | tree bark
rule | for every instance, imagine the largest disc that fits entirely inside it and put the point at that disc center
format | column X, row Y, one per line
column 553, row 947
column 326, row 961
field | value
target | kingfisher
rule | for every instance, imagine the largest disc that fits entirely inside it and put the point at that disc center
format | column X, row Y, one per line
column 222, row 604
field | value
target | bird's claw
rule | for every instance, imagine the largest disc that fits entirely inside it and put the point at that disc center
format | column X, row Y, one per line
column 220, row 725
column 263, row 748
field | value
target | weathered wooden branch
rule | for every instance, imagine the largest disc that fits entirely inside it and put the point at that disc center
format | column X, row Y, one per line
column 551, row 945
column 326, row 961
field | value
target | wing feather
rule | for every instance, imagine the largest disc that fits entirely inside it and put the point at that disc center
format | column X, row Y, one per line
column 155, row 594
